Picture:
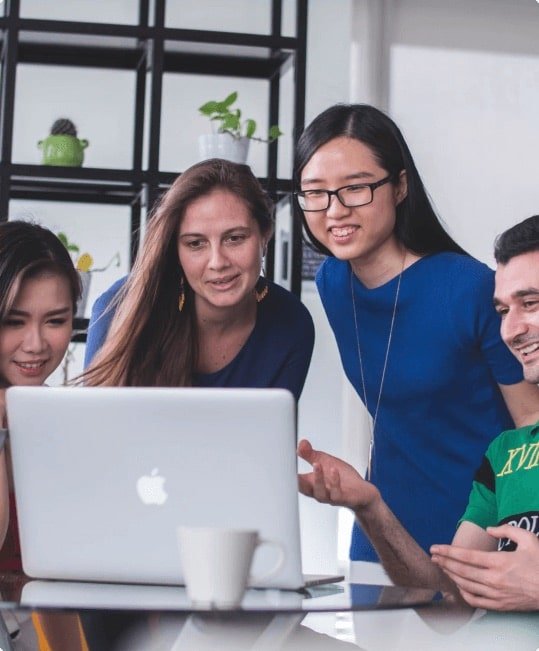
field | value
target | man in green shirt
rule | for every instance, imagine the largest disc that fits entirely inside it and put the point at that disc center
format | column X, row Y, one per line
column 503, row 512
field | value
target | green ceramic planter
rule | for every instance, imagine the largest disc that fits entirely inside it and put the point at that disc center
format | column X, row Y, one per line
column 62, row 150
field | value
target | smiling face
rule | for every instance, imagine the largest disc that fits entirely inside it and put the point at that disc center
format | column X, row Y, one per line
column 354, row 234
column 35, row 334
column 220, row 247
column 516, row 298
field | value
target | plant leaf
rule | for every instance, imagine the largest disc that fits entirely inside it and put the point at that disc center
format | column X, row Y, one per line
column 208, row 108
column 228, row 101
column 274, row 133
column 231, row 122
column 63, row 239
column 250, row 128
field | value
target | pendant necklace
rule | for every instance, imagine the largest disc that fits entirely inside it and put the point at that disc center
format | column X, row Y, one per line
column 372, row 425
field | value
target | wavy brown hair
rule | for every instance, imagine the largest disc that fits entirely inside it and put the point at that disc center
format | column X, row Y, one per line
column 150, row 342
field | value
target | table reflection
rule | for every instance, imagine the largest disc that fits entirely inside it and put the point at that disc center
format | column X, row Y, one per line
column 229, row 633
column 378, row 618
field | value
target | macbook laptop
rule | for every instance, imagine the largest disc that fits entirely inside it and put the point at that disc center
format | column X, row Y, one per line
column 103, row 476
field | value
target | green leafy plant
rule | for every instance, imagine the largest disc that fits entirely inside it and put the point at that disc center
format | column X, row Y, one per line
column 84, row 261
column 229, row 120
column 70, row 246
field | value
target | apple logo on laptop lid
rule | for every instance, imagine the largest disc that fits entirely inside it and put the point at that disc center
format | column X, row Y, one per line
column 150, row 488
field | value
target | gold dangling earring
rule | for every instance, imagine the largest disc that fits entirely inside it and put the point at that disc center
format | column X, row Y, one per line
column 181, row 299
column 261, row 289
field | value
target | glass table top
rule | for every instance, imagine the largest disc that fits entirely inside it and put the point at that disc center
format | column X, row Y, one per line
column 18, row 591
column 326, row 617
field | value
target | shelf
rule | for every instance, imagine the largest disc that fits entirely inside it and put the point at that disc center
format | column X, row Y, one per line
column 114, row 186
column 149, row 50
column 60, row 54
column 84, row 174
column 229, row 65
column 93, row 185
column 265, row 41
column 56, row 191
column 80, row 328
column 280, row 186
column 220, row 54
column 73, row 27
column 130, row 58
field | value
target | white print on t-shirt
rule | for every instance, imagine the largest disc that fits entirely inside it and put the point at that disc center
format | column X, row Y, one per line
column 527, row 521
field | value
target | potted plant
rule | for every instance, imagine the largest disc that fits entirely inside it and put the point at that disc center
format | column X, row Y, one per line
column 84, row 264
column 63, row 147
column 232, row 133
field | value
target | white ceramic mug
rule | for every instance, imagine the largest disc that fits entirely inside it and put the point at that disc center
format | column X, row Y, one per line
column 216, row 563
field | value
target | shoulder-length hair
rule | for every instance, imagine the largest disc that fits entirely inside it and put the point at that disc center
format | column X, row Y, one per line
column 151, row 342
column 417, row 226
column 26, row 251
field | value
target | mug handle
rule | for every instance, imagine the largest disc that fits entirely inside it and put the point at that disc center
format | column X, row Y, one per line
column 278, row 564
column 84, row 143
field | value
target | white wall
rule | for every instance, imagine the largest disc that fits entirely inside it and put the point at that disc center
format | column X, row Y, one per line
column 321, row 408
column 461, row 79
column 463, row 84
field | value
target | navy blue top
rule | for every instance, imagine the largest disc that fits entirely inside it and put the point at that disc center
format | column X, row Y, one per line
column 440, row 405
column 276, row 354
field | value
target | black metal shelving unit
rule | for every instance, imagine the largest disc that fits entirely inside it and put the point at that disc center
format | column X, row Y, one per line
column 149, row 49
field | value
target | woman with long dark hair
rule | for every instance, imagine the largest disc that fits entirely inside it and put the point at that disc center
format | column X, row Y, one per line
column 413, row 318
column 195, row 311
column 39, row 289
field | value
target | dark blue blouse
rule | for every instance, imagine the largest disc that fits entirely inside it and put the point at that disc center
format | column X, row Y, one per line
column 276, row 354
column 440, row 405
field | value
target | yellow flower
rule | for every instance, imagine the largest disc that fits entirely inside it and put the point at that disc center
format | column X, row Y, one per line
column 84, row 262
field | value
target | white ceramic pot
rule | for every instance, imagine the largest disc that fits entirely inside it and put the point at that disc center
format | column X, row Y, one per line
column 223, row 145
column 85, row 278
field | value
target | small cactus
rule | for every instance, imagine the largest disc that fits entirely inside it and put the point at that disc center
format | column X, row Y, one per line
column 64, row 127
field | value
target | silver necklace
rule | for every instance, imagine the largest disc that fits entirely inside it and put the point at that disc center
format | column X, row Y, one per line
column 384, row 367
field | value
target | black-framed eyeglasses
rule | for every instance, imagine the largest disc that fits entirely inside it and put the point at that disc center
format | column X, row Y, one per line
column 350, row 196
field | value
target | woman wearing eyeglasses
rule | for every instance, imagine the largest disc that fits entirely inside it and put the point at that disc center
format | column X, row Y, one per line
column 413, row 318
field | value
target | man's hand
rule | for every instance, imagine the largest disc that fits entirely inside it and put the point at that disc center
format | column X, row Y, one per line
column 333, row 481
column 495, row 580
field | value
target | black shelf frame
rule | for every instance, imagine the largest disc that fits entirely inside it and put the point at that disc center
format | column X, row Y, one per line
column 145, row 47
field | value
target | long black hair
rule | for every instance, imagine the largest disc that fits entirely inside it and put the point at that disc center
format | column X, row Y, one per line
column 417, row 225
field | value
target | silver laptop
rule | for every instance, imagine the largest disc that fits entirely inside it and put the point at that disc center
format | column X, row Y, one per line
column 103, row 476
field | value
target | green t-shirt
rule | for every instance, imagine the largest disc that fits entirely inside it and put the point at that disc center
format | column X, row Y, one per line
column 505, row 489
